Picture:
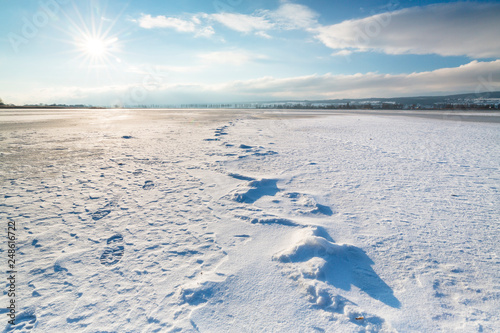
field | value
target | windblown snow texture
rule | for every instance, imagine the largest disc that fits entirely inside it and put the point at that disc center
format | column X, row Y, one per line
column 251, row 221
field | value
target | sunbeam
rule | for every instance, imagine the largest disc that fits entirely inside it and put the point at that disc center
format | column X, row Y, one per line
column 91, row 34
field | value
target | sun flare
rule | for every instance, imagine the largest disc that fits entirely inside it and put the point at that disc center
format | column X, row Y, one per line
column 95, row 47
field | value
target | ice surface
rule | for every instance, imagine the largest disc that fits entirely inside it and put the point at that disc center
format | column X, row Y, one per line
column 252, row 221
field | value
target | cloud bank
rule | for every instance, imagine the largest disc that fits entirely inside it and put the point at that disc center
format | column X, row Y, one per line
column 475, row 76
column 452, row 29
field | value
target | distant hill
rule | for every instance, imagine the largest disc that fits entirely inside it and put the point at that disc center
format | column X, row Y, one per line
column 421, row 100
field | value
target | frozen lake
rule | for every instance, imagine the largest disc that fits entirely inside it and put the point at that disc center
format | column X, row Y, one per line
column 252, row 220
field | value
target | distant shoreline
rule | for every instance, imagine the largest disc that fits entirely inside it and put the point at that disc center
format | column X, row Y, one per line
column 51, row 107
column 465, row 109
column 488, row 101
column 59, row 116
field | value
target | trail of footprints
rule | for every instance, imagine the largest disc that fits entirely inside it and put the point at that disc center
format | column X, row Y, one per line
column 115, row 249
column 315, row 257
column 307, row 266
column 173, row 234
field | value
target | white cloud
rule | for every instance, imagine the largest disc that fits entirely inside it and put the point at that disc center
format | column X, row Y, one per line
column 342, row 53
column 243, row 23
column 288, row 16
column 229, row 57
column 180, row 25
column 294, row 16
column 205, row 32
column 453, row 29
column 263, row 34
column 149, row 22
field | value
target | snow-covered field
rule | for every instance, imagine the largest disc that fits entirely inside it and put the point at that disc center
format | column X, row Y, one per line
column 251, row 221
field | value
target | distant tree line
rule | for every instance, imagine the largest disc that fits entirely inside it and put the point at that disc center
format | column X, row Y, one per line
column 467, row 106
column 47, row 106
column 382, row 106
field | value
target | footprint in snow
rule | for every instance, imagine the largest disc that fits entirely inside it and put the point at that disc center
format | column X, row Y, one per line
column 25, row 322
column 148, row 185
column 255, row 190
column 113, row 253
column 99, row 214
column 220, row 131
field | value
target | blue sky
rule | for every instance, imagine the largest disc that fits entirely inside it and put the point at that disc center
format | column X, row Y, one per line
column 193, row 51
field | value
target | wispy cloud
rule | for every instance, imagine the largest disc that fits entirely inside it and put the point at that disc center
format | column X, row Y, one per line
column 294, row 16
column 243, row 23
column 342, row 53
column 287, row 16
column 263, row 34
column 452, row 29
column 180, row 25
column 230, row 57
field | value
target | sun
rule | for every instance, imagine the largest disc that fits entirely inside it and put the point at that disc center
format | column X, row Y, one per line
column 95, row 47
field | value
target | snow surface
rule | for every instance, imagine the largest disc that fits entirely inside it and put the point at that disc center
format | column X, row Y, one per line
column 252, row 221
